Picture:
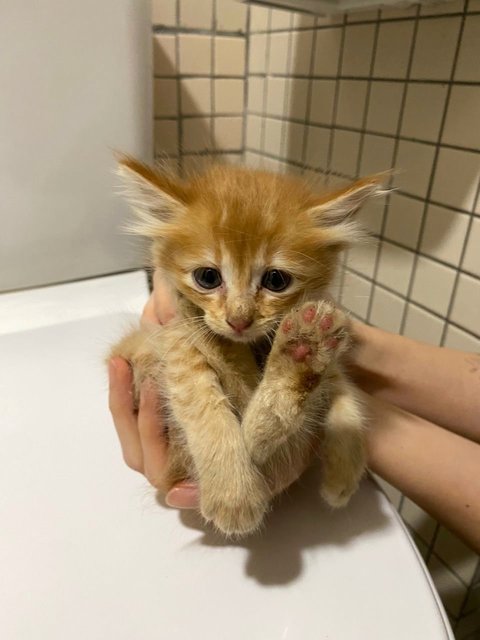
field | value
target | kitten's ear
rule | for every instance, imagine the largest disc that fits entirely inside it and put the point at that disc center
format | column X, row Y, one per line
column 156, row 198
column 334, row 213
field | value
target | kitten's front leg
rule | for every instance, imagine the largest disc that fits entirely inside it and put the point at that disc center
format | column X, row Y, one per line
column 344, row 455
column 286, row 401
column 233, row 494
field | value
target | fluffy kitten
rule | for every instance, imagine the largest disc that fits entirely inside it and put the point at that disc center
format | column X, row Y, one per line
column 244, row 251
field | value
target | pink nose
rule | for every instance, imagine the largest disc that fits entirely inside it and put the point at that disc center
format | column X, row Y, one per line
column 239, row 324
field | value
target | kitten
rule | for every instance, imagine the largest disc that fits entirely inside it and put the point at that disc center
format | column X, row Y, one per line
column 248, row 255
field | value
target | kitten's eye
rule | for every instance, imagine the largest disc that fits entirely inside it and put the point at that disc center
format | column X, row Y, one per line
column 276, row 280
column 207, row 278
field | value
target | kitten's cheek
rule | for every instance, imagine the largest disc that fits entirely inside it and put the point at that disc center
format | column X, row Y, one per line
column 183, row 497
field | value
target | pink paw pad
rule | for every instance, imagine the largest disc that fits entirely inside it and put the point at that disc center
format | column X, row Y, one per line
column 326, row 322
column 300, row 352
column 332, row 343
column 309, row 314
column 287, row 325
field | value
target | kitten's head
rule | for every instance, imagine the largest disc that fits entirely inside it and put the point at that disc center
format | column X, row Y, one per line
column 243, row 246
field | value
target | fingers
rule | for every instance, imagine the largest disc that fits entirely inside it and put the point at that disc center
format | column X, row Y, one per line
column 152, row 438
column 122, row 409
column 149, row 314
column 184, row 495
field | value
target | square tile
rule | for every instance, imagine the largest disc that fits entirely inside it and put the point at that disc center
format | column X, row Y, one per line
column 327, row 51
column 468, row 69
column 395, row 267
column 293, row 149
column 423, row 524
column 356, row 294
column 435, row 48
column 384, row 106
column 468, row 627
column 404, row 219
column 228, row 133
column 462, row 124
column 280, row 19
column 254, row 132
column 165, row 97
column 256, row 88
column 197, row 134
column 393, row 49
column 297, row 97
column 466, row 306
column 362, row 15
column 388, row 13
column 362, row 258
column 440, row 7
column 318, row 140
column 358, row 50
column 230, row 16
column 164, row 55
column 259, row 18
column 423, row 326
column 229, row 95
column 196, row 15
column 276, row 96
column 371, row 214
column 346, row 147
column 302, row 20
column 166, row 137
column 196, row 96
column 387, row 310
column 423, row 111
column 433, row 285
column 450, row 589
column 471, row 259
column 229, row 56
column 351, row 102
column 164, row 13
column 458, row 339
column 257, row 57
column 377, row 154
column 195, row 54
column 414, row 164
column 279, row 50
column 444, row 234
column 473, row 602
column 273, row 137
column 456, row 177
column 301, row 52
column 456, row 555
column 322, row 101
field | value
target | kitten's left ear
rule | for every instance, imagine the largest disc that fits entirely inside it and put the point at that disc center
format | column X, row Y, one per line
column 156, row 197
column 333, row 214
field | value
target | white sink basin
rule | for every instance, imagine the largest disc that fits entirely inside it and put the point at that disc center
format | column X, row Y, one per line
column 87, row 553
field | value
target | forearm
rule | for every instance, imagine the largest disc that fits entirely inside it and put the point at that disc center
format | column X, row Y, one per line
column 438, row 470
column 442, row 385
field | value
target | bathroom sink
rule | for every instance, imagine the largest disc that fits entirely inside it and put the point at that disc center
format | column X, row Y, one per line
column 87, row 552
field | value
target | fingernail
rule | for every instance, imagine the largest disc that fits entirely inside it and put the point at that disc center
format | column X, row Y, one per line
column 184, row 497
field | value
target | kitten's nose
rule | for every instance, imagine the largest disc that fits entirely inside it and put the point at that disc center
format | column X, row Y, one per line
column 239, row 324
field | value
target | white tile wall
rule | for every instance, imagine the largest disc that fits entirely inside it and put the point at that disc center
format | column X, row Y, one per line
column 349, row 95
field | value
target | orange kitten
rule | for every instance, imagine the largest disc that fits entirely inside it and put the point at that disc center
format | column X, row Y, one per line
column 249, row 255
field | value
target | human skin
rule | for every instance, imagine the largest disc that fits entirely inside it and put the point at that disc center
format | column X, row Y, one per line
column 411, row 388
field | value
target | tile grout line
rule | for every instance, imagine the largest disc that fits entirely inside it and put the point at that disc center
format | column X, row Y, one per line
column 246, row 86
column 394, row 158
column 265, row 85
column 431, row 181
column 179, row 94
column 213, row 139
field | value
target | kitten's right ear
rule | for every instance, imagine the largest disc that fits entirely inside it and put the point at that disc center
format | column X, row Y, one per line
column 155, row 197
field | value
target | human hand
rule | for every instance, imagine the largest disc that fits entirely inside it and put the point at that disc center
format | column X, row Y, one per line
column 142, row 435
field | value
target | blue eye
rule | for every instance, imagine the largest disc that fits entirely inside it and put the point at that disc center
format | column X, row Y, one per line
column 207, row 278
column 276, row 280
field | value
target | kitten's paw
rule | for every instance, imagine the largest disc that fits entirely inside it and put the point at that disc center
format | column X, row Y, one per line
column 337, row 488
column 313, row 335
column 235, row 511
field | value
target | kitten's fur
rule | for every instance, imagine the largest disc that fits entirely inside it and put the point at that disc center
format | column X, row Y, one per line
column 241, row 434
